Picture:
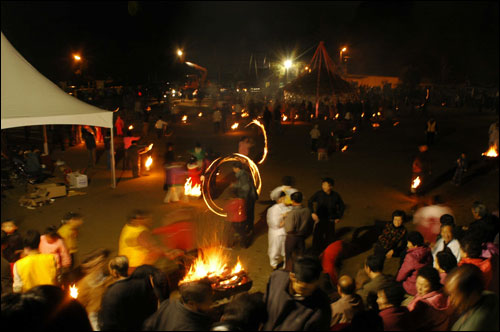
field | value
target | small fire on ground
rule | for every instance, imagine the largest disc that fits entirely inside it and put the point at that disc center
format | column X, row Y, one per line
column 73, row 291
column 190, row 190
column 492, row 152
column 212, row 265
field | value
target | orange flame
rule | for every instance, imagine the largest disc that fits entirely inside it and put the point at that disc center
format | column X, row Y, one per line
column 354, row 129
column 211, row 262
column 363, row 114
column 184, row 118
column 395, row 123
column 235, row 126
column 244, row 114
column 415, row 183
column 375, row 125
column 344, row 148
column 189, row 190
column 285, row 117
column 149, row 162
column 73, row 291
column 337, row 116
column 492, row 152
column 257, row 122
column 200, row 114
column 130, row 127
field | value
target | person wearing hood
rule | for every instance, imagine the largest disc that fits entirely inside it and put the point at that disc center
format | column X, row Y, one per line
column 429, row 308
column 417, row 257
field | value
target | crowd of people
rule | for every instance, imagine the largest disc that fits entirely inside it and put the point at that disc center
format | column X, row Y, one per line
column 447, row 277
column 447, row 280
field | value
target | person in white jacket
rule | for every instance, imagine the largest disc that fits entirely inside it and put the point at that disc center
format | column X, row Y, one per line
column 277, row 234
column 447, row 240
column 286, row 187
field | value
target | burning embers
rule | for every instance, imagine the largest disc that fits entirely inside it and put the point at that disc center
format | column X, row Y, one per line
column 211, row 265
column 492, row 152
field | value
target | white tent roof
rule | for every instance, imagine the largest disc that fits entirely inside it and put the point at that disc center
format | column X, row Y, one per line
column 29, row 98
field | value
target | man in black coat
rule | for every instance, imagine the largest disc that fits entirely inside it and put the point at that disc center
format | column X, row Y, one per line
column 189, row 313
column 294, row 300
column 329, row 210
column 244, row 188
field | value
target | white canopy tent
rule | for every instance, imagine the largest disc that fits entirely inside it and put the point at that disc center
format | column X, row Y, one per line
column 30, row 99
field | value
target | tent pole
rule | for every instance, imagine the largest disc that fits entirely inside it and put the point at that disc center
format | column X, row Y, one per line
column 112, row 151
column 45, row 144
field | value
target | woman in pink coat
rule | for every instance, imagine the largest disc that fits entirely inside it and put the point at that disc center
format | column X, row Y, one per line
column 429, row 308
column 417, row 256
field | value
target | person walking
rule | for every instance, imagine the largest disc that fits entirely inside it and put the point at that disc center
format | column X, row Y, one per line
column 315, row 135
column 217, row 118
column 244, row 187
column 89, row 138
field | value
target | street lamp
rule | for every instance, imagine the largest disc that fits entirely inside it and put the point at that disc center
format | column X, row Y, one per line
column 342, row 51
column 288, row 64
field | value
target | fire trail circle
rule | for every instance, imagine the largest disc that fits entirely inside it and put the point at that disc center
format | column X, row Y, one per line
column 261, row 126
column 209, row 173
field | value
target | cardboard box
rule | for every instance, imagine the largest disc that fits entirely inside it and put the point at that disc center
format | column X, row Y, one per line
column 77, row 180
column 53, row 189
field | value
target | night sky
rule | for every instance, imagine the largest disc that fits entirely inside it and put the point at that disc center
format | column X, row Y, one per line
column 449, row 42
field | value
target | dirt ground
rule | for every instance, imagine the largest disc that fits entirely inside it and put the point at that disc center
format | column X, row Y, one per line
column 372, row 176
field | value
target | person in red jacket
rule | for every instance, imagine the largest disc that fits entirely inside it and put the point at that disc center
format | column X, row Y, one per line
column 417, row 257
column 470, row 251
column 330, row 259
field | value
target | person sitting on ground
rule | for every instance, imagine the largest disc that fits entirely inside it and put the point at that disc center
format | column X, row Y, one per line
column 477, row 309
column 374, row 265
column 245, row 312
column 418, row 256
column 349, row 304
column 35, row 268
column 447, row 240
column 485, row 225
column 445, row 262
column 395, row 316
column 429, row 308
column 190, row 313
column 127, row 303
column 470, row 250
column 392, row 241
column 287, row 183
column 15, row 244
column 118, row 268
column 294, row 300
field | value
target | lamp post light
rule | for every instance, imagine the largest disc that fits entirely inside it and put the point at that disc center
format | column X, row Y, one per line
column 288, row 65
column 341, row 56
